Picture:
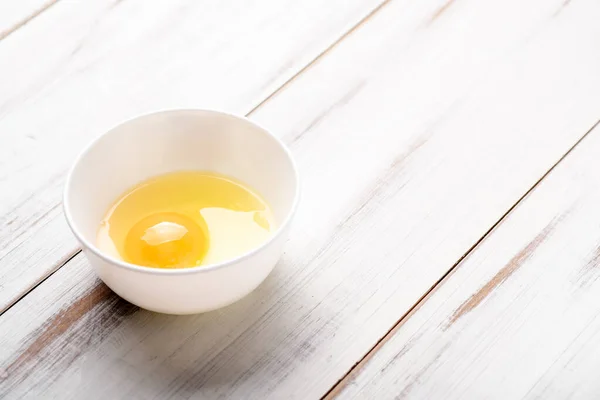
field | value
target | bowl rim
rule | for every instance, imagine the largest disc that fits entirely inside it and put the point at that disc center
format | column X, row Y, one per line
column 86, row 244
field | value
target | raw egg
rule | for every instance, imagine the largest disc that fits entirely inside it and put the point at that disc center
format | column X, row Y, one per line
column 185, row 219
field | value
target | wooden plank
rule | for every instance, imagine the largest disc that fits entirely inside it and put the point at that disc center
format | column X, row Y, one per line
column 407, row 159
column 520, row 317
column 16, row 13
column 105, row 61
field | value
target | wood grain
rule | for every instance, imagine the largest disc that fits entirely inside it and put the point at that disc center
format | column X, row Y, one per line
column 505, row 272
column 428, row 141
column 529, row 335
column 106, row 61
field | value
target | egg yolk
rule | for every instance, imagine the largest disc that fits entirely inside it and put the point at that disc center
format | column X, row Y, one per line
column 166, row 240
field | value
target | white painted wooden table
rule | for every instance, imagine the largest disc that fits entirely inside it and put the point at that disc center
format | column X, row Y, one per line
column 448, row 241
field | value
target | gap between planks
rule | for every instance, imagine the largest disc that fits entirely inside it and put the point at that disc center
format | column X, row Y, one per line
column 355, row 369
column 7, row 32
column 314, row 61
column 61, row 264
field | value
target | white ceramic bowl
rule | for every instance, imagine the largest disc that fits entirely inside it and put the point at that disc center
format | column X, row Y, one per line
column 170, row 141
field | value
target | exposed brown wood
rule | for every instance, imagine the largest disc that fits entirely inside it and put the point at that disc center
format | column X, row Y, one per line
column 441, row 171
column 5, row 33
column 99, row 310
column 356, row 368
column 587, row 273
column 503, row 274
column 79, row 54
column 537, row 336
column 438, row 13
column 58, row 325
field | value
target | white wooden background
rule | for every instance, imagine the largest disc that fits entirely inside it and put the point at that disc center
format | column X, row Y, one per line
column 433, row 256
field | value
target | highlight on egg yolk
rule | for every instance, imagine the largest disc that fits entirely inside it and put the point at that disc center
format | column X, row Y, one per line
column 185, row 219
column 166, row 240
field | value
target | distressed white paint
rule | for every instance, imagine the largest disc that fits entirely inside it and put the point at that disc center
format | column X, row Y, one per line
column 16, row 13
column 407, row 159
column 533, row 334
column 81, row 67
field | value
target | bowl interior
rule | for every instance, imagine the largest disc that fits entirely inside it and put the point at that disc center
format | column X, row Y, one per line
column 177, row 141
